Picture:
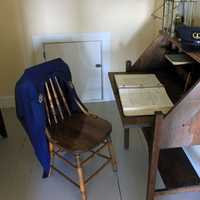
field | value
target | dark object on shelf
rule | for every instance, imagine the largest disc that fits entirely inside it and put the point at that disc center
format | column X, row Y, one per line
column 190, row 37
column 179, row 59
column 128, row 66
column 3, row 132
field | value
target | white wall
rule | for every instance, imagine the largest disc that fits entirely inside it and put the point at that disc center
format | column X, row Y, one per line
column 128, row 21
column 11, row 47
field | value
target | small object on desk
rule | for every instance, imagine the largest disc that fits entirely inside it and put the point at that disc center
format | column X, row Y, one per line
column 142, row 94
column 137, row 81
column 128, row 66
column 179, row 59
column 144, row 101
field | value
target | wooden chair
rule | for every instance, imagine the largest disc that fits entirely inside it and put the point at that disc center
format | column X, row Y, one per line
column 75, row 133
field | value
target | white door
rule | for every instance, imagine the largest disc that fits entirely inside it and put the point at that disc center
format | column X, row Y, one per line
column 85, row 62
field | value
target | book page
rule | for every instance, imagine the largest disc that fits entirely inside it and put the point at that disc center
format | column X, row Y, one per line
column 137, row 80
column 144, row 101
column 179, row 59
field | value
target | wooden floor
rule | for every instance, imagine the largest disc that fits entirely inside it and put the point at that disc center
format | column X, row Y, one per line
column 20, row 172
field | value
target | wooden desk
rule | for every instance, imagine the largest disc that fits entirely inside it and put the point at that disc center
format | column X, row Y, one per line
column 3, row 132
column 130, row 121
column 174, row 91
column 167, row 134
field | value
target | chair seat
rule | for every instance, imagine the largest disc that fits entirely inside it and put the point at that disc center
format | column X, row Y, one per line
column 80, row 132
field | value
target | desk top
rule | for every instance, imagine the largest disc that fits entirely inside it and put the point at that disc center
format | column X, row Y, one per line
column 128, row 121
column 195, row 55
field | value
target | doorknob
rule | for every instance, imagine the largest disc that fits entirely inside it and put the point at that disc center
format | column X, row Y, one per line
column 98, row 65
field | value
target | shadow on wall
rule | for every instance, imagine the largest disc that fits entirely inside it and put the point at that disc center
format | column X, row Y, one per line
column 135, row 46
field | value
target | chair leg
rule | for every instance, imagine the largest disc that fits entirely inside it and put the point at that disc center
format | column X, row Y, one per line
column 52, row 152
column 81, row 178
column 112, row 155
column 126, row 138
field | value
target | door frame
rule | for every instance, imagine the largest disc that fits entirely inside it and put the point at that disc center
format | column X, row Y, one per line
column 104, row 37
column 71, row 42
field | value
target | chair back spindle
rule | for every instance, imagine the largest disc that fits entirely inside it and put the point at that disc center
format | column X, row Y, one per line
column 81, row 107
column 55, row 102
column 56, row 99
column 47, row 111
column 62, row 96
column 50, row 99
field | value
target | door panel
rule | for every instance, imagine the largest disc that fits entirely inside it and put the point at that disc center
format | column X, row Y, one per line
column 83, row 59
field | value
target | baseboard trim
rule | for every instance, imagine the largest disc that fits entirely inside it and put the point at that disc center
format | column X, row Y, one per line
column 98, row 100
column 7, row 101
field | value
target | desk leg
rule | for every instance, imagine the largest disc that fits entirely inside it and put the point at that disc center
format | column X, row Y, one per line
column 153, row 164
column 126, row 138
column 188, row 79
column 153, row 159
column 3, row 132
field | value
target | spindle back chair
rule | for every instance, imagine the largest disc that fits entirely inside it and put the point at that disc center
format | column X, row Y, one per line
column 75, row 133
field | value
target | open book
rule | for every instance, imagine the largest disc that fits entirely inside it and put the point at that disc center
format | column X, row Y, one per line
column 179, row 59
column 137, row 80
column 142, row 96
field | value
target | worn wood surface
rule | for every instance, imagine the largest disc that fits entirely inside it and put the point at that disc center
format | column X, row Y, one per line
column 181, row 126
column 77, row 133
column 80, row 132
column 153, row 56
column 176, row 169
column 193, row 188
column 151, row 61
column 81, row 178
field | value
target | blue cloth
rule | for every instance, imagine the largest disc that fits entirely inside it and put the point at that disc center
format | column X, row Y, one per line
column 30, row 110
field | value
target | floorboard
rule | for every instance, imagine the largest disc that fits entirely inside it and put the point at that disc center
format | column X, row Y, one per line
column 20, row 172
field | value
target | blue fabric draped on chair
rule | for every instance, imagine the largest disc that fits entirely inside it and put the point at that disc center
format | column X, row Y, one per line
column 30, row 107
